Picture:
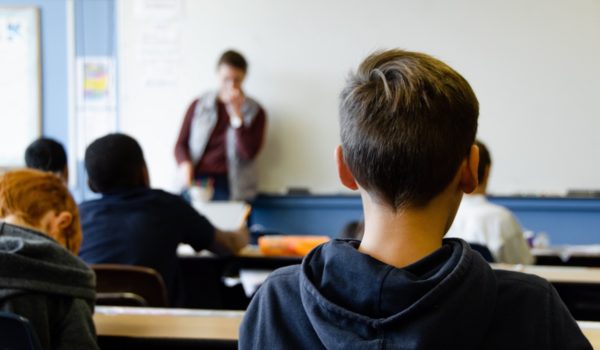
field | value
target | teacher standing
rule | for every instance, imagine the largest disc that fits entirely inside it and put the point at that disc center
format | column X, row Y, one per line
column 221, row 135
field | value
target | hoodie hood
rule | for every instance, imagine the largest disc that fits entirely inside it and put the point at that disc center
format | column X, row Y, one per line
column 33, row 262
column 354, row 301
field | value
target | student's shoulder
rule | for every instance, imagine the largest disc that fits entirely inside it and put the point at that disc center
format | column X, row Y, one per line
column 283, row 280
column 91, row 203
column 166, row 197
column 285, row 273
column 521, row 280
column 525, row 288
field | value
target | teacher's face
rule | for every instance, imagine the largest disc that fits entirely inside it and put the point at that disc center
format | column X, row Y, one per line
column 230, row 78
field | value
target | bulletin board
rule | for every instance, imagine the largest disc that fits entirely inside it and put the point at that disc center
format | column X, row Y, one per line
column 20, row 82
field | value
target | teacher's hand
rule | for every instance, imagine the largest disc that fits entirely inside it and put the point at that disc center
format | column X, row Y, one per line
column 234, row 103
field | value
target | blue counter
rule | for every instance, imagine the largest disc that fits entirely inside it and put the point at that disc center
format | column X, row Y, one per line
column 565, row 220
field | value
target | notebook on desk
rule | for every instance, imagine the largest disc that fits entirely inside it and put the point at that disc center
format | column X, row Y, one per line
column 224, row 215
column 228, row 216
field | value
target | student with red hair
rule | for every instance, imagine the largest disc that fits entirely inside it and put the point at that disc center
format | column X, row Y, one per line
column 41, row 277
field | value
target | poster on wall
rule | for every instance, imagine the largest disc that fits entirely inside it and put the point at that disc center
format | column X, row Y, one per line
column 96, row 99
column 96, row 83
column 20, row 82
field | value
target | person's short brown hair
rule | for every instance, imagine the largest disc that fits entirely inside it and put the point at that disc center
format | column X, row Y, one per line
column 234, row 59
column 407, row 122
column 30, row 194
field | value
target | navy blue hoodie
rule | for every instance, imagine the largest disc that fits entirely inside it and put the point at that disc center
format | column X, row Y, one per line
column 340, row 298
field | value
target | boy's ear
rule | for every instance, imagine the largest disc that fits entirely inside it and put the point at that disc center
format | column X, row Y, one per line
column 346, row 177
column 64, row 220
column 468, row 178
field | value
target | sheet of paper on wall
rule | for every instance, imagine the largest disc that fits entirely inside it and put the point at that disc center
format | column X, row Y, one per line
column 224, row 215
column 158, row 9
column 96, row 83
column 19, row 82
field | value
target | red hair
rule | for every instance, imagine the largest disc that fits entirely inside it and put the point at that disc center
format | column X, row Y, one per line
column 30, row 194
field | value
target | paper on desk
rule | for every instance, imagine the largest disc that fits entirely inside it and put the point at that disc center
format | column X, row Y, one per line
column 184, row 249
column 565, row 252
column 224, row 215
column 251, row 279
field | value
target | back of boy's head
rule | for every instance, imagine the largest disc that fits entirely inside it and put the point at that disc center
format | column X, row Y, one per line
column 47, row 155
column 407, row 122
column 114, row 162
column 485, row 160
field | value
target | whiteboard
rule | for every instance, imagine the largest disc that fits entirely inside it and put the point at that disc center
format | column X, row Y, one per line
column 20, row 104
column 532, row 63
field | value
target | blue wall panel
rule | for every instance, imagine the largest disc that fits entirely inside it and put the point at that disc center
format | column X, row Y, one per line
column 565, row 220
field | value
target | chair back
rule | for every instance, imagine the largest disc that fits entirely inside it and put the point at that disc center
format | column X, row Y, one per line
column 128, row 285
column 16, row 333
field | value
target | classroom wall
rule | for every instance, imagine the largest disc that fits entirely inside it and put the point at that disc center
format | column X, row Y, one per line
column 94, row 34
column 532, row 64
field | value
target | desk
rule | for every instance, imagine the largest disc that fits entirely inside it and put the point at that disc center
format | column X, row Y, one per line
column 568, row 255
column 203, row 278
column 169, row 328
column 132, row 328
column 591, row 331
column 557, row 274
column 578, row 287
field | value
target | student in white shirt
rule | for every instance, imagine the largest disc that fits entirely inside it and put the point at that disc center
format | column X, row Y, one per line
column 480, row 221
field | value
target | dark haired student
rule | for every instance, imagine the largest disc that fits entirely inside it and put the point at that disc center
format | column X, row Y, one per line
column 408, row 125
column 135, row 225
column 49, row 155
column 222, row 133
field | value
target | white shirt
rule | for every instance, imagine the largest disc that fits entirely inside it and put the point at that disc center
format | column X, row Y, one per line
column 482, row 222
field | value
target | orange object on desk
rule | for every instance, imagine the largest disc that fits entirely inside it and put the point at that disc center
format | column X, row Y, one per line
column 289, row 245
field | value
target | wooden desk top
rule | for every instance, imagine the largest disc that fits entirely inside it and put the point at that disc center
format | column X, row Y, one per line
column 203, row 324
column 592, row 332
column 557, row 274
column 167, row 323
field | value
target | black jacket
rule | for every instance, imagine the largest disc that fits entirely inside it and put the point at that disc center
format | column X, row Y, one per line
column 340, row 298
column 45, row 283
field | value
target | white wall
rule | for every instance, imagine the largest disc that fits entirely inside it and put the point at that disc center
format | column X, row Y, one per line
column 533, row 64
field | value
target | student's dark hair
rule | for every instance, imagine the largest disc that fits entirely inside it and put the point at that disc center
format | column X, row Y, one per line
column 407, row 122
column 485, row 160
column 113, row 162
column 47, row 155
column 234, row 59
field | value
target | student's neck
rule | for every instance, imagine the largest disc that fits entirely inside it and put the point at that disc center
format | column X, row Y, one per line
column 17, row 221
column 400, row 238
